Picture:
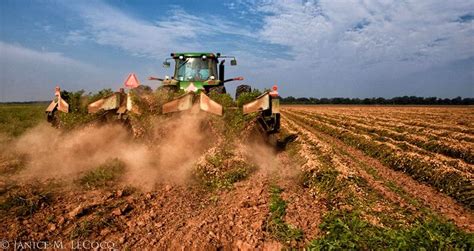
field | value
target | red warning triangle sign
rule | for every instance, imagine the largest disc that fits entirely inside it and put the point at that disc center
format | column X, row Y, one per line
column 132, row 81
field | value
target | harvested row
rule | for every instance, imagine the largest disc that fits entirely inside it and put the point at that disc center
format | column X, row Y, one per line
column 336, row 161
column 448, row 148
column 411, row 119
column 397, row 145
column 400, row 127
column 361, row 198
column 404, row 123
column 453, row 182
column 312, row 147
column 332, row 175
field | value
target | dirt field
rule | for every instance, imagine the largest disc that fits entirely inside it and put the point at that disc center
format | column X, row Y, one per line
column 357, row 177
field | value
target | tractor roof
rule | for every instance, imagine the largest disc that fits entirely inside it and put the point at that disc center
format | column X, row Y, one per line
column 193, row 54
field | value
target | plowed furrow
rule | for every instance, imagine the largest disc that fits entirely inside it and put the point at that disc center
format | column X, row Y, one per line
column 436, row 201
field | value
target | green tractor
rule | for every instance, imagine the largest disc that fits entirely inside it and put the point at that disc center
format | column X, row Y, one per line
column 196, row 74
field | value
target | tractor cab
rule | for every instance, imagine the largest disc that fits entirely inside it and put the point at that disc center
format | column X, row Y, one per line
column 201, row 68
column 196, row 71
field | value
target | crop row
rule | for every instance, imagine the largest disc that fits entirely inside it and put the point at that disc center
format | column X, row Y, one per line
column 312, row 147
column 454, row 149
column 439, row 160
column 369, row 133
column 415, row 119
column 448, row 180
column 397, row 124
column 400, row 127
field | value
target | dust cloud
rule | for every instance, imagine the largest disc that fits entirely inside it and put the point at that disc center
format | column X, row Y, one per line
column 256, row 148
column 175, row 144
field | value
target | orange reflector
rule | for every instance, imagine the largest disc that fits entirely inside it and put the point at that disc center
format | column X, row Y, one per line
column 132, row 81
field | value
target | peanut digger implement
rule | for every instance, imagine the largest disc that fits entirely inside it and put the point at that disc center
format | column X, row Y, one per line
column 196, row 75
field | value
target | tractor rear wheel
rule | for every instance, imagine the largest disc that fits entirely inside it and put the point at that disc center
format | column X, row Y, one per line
column 242, row 89
column 53, row 118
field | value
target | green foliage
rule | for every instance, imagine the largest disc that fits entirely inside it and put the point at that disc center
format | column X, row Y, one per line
column 229, row 177
column 348, row 231
column 276, row 224
column 223, row 169
column 103, row 175
column 76, row 100
column 226, row 179
column 223, row 99
column 92, row 97
column 78, row 103
column 16, row 119
column 434, row 145
column 78, row 113
column 81, row 230
column 25, row 201
column 93, row 225
column 234, row 121
column 69, row 121
column 247, row 97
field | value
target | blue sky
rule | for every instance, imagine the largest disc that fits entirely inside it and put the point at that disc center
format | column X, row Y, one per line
column 325, row 48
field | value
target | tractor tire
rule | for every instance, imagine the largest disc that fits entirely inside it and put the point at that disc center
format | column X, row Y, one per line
column 53, row 118
column 242, row 89
column 218, row 89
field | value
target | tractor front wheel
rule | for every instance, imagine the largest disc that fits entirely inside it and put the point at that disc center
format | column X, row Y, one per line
column 53, row 118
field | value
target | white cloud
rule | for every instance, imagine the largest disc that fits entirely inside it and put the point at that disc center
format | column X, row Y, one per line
column 177, row 30
column 367, row 32
column 337, row 46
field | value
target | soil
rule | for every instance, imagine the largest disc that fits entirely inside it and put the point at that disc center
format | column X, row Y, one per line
column 191, row 216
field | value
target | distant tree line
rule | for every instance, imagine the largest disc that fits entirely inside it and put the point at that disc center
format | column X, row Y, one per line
column 405, row 100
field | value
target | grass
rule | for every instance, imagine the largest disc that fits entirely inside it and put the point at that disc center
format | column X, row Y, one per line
column 348, row 231
column 276, row 224
column 223, row 168
column 24, row 201
column 81, row 230
column 227, row 179
column 92, row 225
column 104, row 175
column 96, row 222
column 15, row 119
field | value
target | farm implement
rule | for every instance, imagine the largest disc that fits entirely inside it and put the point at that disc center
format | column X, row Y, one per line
column 196, row 76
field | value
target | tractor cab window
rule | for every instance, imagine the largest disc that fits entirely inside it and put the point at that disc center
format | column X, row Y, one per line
column 194, row 69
